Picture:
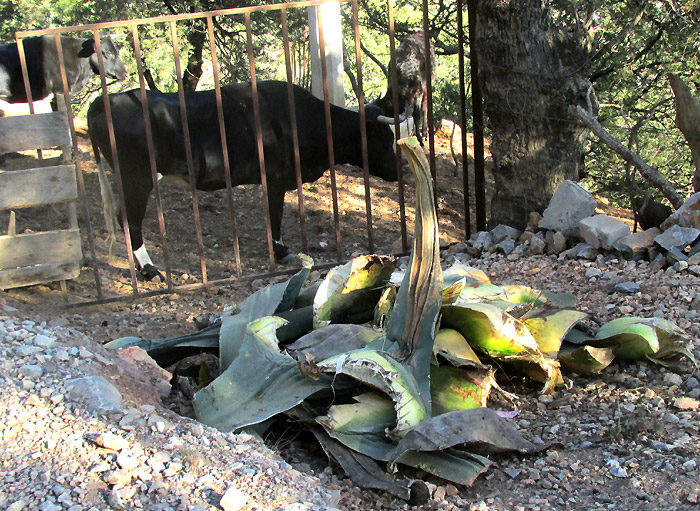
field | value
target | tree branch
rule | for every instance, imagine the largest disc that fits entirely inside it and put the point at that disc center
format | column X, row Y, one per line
column 649, row 173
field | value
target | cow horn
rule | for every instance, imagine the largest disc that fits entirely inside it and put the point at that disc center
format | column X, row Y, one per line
column 383, row 119
column 391, row 120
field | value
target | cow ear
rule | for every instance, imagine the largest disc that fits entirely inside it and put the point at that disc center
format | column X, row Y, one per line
column 87, row 49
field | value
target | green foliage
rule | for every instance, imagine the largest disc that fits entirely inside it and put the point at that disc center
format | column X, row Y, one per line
column 636, row 44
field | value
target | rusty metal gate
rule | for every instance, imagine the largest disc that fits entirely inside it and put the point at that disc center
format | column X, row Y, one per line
column 95, row 258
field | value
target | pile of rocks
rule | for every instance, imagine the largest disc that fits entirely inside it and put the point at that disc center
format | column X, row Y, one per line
column 570, row 229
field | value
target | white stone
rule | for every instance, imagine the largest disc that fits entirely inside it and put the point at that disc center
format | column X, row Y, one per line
column 570, row 204
column 233, row 499
column 602, row 231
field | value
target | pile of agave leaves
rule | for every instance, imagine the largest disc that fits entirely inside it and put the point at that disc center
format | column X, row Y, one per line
column 390, row 368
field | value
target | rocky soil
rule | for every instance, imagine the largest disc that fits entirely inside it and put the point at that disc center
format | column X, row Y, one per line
column 628, row 438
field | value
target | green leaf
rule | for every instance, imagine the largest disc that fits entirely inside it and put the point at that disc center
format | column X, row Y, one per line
column 414, row 319
column 549, row 327
column 460, row 388
column 258, row 384
column 489, row 329
column 452, row 345
column 479, row 430
column 332, row 340
column 384, row 307
column 361, row 427
column 352, row 287
column 264, row 302
column 584, row 359
column 632, row 338
column 381, row 371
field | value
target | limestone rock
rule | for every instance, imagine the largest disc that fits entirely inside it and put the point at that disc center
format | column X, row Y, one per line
column 570, row 204
column 602, row 231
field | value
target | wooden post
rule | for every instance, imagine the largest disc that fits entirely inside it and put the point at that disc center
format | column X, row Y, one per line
column 329, row 16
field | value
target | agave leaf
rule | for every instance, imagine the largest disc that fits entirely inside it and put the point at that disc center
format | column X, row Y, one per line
column 452, row 345
column 372, row 413
column 461, row 388
column 523, row 294
column 264, row 302
column 584, row 359
column 460, row 271
column 561, row 300
column 546, row 370
column 381, row 371
column 366, row 473
column 361, row 427
column 479, row 430
column 451, row 464
column 356, row 285
column 489, row 329
column 632, row 338
column 549, row 327
column 477, row 291
column 673, row 342
column 332, row 340
column 258, row 384
column 414, row 320
column 452, row 292
column 385, row 306
column 173, row 349
column 499, row 335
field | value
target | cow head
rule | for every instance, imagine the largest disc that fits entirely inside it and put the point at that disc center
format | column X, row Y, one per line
column 380, row 145
column 113, row 65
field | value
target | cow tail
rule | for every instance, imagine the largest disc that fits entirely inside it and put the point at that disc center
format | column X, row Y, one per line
column 110, row 208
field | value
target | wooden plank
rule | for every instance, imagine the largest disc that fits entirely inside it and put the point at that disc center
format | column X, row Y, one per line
column 40, row 274
column 38, row 187
column 38, row 131
column 40, row 248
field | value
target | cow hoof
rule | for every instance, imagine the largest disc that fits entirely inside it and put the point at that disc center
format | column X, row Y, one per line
column 149, row 272
column 287, row 259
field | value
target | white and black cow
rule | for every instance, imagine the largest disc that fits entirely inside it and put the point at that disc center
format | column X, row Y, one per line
column 412, row 82
column 80, row 60
column 202, row 116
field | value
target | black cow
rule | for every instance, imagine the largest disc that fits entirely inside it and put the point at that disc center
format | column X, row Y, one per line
column 80, row 60
column 202, row 115
column 412, row 84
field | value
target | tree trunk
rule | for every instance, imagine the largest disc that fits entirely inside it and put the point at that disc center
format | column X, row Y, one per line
column 688, row 121
column 530, row 73
column 197, row 38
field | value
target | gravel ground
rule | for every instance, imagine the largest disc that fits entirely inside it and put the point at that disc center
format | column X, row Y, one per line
column 625, row 439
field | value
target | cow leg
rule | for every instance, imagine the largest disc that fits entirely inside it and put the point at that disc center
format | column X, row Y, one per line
column 136, row 199
column 275, row 201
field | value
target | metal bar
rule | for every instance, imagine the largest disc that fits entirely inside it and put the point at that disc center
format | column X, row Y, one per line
column 363, row 129
column 78, row 168
column 224, row 145
column 295, row 134
column 478, row 120
column 25, row 73
column 258, row 134
column 397, row 125
column 329, row 135
column 173, row 17
column 115, row 161
column 152, row 156
column 202, row 285
column 188, row 149
column 429, row 88
column 463, row 121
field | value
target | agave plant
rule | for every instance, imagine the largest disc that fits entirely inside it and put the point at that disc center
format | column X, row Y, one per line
column 409, row 384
